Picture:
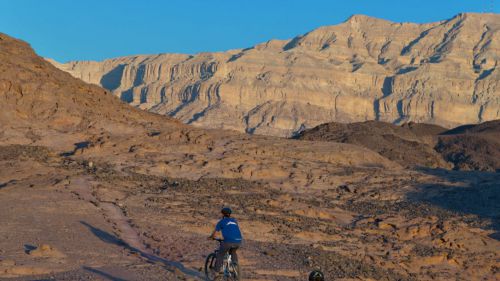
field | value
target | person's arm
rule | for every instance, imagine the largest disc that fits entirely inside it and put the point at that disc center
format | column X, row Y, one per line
column 212, row 236
column 217, row 228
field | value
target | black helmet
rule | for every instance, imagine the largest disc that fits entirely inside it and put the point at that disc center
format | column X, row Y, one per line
column 226, row 211
column 316, row 275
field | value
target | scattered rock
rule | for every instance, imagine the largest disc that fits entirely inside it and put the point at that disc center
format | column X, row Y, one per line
column 346, row 188
column 7, row 263
column 46, row 251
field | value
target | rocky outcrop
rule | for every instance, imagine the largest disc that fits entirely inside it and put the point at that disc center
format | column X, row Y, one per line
column 411, row 145
column 472, row 147
column 466, row 148
column 444, row 73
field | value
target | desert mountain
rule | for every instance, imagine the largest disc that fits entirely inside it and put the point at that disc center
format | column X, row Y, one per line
column 71, row 151
column 366, row 68
column 94, row 189
column 43, row 105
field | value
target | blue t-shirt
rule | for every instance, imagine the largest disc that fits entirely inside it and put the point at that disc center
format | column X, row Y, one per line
column 230, row 230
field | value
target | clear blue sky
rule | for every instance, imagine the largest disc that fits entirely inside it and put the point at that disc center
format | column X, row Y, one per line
column 98, row 29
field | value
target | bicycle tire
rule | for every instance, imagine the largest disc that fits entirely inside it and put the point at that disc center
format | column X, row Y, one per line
column 209, row 265
column 236, row 273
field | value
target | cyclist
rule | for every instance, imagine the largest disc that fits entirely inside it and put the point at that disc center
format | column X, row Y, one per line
column 232, row 237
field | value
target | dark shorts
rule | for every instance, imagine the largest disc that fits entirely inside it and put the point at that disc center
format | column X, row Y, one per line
column 225, row 247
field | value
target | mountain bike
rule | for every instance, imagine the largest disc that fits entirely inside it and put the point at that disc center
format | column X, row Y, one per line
column 230, row 269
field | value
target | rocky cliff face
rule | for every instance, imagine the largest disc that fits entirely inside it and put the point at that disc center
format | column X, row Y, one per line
column 444, row 73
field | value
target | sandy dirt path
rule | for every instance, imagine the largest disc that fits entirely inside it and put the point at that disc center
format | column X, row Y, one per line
column 129, row 237
column 53, row 228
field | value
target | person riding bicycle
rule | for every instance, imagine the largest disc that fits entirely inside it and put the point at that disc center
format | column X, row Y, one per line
column 232, row 237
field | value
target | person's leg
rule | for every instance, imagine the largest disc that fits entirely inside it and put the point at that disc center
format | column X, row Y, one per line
column 220, row 256
column 234, row 249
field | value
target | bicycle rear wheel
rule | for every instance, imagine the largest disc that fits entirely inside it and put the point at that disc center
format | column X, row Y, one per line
column 209, row 267
column 235, row 272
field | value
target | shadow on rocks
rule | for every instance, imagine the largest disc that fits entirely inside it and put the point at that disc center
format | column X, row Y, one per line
column 474, row 195
column 112, row 239
column 103, row 274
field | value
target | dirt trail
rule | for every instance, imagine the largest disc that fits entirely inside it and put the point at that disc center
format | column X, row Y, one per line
column 130, row 239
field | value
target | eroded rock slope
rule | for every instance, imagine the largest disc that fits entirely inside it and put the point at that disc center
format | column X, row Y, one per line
column 444, row 73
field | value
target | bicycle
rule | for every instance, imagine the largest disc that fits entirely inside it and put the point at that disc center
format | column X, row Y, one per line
column 230, row 269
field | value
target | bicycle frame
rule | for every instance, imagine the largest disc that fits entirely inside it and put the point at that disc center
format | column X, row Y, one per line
column 228, row 269
column 226, row 263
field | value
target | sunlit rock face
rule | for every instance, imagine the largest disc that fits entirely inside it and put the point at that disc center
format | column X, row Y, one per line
column 444, row 73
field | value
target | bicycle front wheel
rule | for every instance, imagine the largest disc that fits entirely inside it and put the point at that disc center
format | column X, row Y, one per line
column 210, row 267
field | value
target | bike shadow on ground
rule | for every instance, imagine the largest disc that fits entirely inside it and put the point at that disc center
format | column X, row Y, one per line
column 151, row 258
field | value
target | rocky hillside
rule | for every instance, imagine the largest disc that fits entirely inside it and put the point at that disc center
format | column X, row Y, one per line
column 34, row 93
column 363, row 69
column 472, row 147
column 40, row 104
column 468, row 147
column 410, row 145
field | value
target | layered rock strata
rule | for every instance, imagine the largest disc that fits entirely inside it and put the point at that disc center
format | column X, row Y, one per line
column 366, row 68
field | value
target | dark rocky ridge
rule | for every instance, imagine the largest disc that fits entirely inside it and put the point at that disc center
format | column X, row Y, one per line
column 468, row 147
column 472, row 147
column 408, row 145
